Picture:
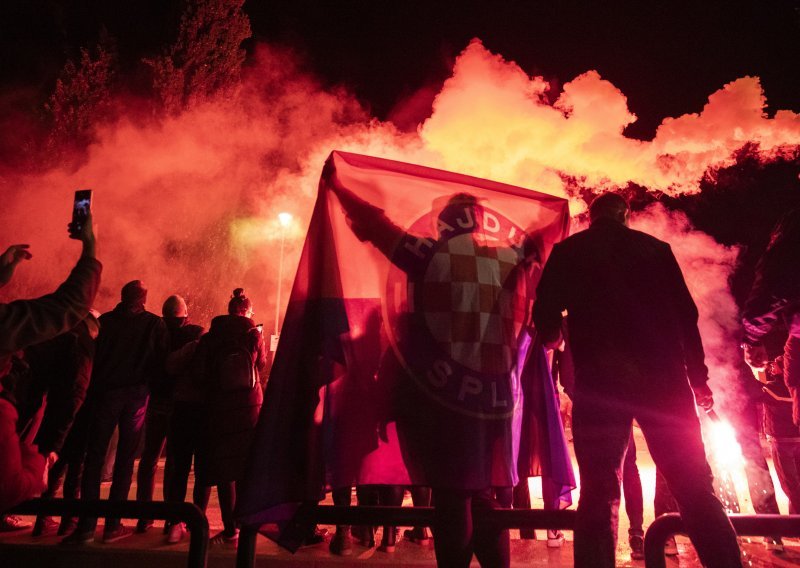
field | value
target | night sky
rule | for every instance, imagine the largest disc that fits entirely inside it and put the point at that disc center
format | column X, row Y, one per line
column 667, row 57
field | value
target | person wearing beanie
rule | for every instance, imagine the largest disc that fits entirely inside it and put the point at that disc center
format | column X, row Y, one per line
column 130, row 353
column 159, row 409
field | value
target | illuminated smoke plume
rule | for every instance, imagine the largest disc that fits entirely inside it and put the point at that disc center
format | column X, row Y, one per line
column 189, row 203
column 492, row 119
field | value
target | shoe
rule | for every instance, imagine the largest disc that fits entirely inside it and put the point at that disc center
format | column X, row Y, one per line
column 143, row 526
column 554, row 539
column 176, row 533
column 773, row 543
column 77, row 537
column 11, row 523
column 527, row 534
column 44, row 526
column 341, row 543
column 117, row 533
column 419, row 535
column 671, row 547
column 226, row 539
column 637, row 546
column 389, row 539
column 67, row 526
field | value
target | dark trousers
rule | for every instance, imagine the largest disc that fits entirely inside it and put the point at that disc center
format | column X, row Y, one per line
column 124, row 407
column 786, row 455
column 183, row 441
column 156, row 424
column 663, row 502
column 460, row 529
column 602, row 430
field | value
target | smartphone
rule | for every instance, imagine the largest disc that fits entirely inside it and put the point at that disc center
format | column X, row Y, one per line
column 80, row 211
column 260, row 328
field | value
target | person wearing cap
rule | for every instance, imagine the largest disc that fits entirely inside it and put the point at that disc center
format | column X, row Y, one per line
column 159, row 408
column 638, row 355
column 131, row 349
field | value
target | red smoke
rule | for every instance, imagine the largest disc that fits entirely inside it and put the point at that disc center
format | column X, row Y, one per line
column 189, row 203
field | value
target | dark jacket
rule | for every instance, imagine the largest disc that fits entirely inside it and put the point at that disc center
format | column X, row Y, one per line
column 179, row 334
column 632, row 322
column 61, row 369
column 776, row 290
column 26, row 322
column 131, row 348
column 231, row 415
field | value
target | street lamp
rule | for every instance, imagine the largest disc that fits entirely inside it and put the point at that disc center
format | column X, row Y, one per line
column 285, row 220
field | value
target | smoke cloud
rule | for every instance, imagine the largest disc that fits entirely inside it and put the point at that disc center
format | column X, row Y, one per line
column 189, row 204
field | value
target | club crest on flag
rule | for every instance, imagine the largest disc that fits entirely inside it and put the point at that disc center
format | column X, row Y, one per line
column 455, row 304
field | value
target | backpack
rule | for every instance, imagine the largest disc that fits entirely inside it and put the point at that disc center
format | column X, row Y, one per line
column 233, row 365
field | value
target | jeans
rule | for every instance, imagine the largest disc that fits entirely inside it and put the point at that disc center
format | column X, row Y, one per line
column 124, row 407
column 155, row 436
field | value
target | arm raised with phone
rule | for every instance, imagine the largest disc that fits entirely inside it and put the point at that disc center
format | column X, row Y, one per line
column 26, row 322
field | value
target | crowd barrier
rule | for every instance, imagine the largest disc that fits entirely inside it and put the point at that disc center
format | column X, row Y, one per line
column 745, row 525
column 188, row 513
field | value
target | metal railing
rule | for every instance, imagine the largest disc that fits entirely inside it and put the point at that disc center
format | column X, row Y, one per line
column 745, row 525
column 188, row 513
column 402, row 516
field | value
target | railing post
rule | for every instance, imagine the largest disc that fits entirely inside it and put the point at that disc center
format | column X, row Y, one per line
column 656, row 538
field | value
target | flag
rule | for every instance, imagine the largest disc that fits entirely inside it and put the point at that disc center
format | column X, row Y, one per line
column 403, row 347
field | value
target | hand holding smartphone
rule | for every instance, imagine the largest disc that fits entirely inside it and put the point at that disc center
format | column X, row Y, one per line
column 81, row 207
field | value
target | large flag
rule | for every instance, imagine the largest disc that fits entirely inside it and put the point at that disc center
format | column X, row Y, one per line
column 406, row 351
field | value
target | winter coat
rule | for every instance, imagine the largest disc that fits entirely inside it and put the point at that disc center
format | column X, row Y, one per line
column 231, row 414
column 131, row 348
column 163, row 387
column 60, row 369
column 26, row 322
column 632, row 322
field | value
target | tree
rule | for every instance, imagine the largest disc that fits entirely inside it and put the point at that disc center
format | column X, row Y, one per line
column 81, row 98
column 206, row 58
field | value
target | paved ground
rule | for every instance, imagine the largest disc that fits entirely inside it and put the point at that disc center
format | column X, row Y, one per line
column 149, row 550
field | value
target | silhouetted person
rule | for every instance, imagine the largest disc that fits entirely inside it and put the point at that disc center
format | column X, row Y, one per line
column 472, row 288
column 633, row 331
column 60, row 372
column 160, row 405
column 27, row 322
column 130, row 353
column 776, row 296
column 232, row 388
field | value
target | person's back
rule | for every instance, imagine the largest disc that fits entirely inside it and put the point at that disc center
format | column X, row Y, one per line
column 626, row 308
column 128, row 347
column 633, row 331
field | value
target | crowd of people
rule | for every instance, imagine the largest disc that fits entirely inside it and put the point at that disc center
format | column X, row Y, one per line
column 71, row 377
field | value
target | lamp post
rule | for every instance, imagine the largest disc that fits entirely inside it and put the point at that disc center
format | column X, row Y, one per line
column 285, row 220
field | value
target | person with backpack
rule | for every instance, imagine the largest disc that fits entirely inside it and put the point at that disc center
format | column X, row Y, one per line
column 235, row 361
